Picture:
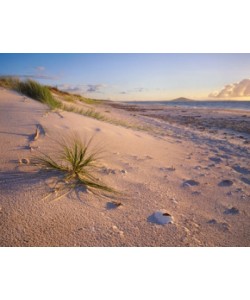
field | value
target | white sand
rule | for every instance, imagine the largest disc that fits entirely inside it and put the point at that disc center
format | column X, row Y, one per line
column 199, row 218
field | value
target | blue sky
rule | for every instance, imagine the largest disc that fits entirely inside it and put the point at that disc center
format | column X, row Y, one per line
column 137, row 76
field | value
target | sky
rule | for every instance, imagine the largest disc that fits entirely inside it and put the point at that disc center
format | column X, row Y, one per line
column 137, row 77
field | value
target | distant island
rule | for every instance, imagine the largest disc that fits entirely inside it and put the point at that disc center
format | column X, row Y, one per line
column 181, row 99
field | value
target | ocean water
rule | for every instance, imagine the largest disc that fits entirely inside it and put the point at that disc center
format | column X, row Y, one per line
column 234, row 105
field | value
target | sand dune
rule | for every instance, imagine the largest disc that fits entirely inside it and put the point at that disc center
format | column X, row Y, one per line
column 168, row 170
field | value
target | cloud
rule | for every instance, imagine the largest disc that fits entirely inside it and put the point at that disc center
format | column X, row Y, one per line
column 82, row 88
column 140, row 89
column 134, row 90
column 70, row 88
column 238, row 89
column 40, row 68
column 94, row 88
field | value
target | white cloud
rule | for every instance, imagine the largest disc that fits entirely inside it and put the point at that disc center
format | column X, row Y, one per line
column 82, row 88
column 40, row 68
column 238, row 89
column 70, row 88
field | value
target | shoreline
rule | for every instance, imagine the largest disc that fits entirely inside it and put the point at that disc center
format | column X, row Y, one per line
column 236, row 120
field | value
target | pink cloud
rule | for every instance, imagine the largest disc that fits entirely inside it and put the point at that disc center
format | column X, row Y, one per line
column 238, row 89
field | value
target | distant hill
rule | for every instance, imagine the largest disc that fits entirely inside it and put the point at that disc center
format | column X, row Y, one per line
column 182, row 99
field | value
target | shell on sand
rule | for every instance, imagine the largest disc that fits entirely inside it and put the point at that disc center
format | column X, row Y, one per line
column 24, row 161
column 161, row 217
column 37, row 133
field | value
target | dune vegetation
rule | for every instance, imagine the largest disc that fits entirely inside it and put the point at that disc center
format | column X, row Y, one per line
column 75, row 162
column 47, row 95
column 32, row 89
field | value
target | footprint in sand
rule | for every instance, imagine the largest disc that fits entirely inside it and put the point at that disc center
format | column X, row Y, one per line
column 220, row 225
column 190, row 182
column 148, row 157
column 225, row 183
column 196, row 193
column 217, row 160
column 113, row 205
column 241, row 170
column 245, row 180
column 232, row 211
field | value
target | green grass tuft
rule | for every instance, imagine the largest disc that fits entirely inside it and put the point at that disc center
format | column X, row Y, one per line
column 38, row 92
column 75, row 163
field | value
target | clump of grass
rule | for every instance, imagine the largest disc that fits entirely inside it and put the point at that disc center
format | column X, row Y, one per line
column 31, row 89
column 38, row 92
column 75, row 163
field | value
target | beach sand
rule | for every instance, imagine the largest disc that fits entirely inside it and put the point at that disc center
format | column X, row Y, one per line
column 190, row 164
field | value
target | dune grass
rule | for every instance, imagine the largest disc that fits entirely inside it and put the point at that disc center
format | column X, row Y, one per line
column 73, row 97
column 31, row 89
column 91, row 113
column 9, row 82
column 38, row 92
column 44, row 94
column 75, row 162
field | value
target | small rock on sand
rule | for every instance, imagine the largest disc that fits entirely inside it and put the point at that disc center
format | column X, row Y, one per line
column 172, row 168
column 108, row 171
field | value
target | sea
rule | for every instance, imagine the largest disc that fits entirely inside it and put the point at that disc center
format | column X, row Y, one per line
column 232, row 105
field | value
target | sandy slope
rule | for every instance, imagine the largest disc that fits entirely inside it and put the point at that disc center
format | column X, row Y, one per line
column 199, row 212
